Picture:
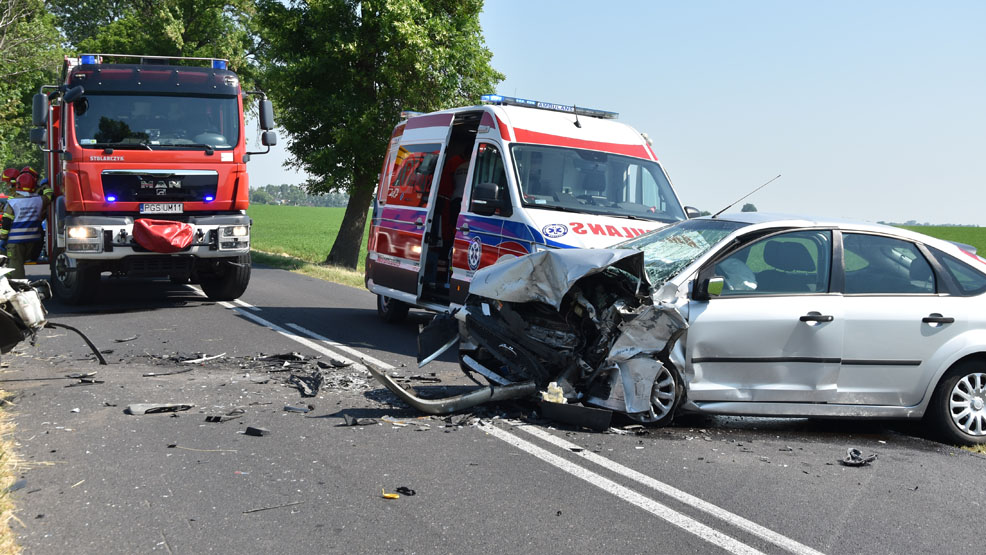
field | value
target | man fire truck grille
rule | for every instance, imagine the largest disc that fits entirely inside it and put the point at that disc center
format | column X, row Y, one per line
column 158, row 186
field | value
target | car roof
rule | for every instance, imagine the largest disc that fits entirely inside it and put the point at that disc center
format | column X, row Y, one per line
column 761, row 220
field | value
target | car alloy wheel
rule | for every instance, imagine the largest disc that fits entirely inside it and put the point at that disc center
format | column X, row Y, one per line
column 967, row 404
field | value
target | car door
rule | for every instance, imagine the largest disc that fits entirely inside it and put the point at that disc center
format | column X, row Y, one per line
column 775, row 332
column 898, row 316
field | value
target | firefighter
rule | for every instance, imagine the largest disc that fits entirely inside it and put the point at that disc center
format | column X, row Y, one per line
column 20, row 229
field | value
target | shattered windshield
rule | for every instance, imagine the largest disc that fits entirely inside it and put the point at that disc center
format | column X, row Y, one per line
column 151, row 122
column 592, row 182
column 669, row 250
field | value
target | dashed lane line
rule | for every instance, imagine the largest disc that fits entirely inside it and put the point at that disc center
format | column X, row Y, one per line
column 359, row 355
column 290, row 335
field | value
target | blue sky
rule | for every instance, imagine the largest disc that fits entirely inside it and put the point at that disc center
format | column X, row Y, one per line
column 870, row 110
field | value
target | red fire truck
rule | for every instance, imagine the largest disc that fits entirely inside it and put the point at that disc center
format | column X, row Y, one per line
column 147, row 156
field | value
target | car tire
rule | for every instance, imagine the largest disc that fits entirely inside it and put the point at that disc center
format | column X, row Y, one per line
column 957, row 412
column 230, row 282
column 73, row 287
column 666, row 396
column 391, row 310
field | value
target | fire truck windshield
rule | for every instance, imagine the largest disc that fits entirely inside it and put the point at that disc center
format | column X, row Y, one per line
column 571, row 179
column 156, row 122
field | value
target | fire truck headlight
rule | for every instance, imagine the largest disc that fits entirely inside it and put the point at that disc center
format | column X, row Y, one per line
column 81, row 238
column 236, row 231
column 83, row 232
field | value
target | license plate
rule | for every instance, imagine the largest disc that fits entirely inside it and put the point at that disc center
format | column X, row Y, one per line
column 162, row 208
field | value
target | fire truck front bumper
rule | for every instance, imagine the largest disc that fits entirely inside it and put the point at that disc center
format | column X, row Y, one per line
column 102, row 237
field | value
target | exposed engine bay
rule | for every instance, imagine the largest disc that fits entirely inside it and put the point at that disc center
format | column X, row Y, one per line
column 587, row 326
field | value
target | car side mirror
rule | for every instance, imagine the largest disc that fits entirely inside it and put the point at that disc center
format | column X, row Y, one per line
column 268, row 138
column 707, row 288
column 266, row 115
column 488, row 198
column 692, row 212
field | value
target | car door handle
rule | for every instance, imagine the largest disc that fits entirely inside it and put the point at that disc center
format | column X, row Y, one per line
column 419, row 223
column 816, row 317
column 464, row 228
column 936, row 318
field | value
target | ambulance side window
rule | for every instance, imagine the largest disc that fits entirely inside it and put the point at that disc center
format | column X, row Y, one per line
column 489, row 169
column 412, row 173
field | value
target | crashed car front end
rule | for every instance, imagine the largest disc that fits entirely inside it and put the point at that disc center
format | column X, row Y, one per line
column 583, row 321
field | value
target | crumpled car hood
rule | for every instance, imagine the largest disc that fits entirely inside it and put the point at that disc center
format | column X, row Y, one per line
column 547, row 275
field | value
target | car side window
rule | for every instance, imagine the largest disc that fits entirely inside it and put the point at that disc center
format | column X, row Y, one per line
column 970, row 281
column 883, row 265
column 799, row 262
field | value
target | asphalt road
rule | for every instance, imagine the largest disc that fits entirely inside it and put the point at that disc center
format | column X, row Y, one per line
column 97, row 480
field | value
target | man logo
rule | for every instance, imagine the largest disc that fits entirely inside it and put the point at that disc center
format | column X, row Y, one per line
column 554, row 231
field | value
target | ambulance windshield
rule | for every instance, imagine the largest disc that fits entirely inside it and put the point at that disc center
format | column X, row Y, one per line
column 594, row 182
column 151, row 122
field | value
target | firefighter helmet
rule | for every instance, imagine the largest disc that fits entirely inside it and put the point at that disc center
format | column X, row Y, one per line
column 30, row 170
column 9, row 175
column 26, row 182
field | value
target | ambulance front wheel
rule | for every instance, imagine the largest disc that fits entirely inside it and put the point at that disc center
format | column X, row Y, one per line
column 391, row 310
column 72, row 282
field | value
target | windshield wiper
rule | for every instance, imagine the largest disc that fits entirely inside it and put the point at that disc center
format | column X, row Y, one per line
column 121, row 146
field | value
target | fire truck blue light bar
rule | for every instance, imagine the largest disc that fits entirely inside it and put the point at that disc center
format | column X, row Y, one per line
column 500, row 100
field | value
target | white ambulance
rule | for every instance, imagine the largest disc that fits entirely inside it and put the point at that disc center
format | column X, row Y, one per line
column 461, row 189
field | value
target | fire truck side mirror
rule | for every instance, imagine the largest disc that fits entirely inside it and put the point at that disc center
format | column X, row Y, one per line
column 39, row 111
column 269, row 138
column 39, row 136
column 266, row 115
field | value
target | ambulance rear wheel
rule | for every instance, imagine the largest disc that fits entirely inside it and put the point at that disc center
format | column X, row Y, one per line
column 391, row 310
column 229, row 281
column 72, row 283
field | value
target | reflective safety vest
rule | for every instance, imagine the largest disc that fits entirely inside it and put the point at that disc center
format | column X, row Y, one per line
column 26, row 227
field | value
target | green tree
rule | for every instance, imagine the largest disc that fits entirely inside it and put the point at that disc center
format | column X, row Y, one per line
column 748, row 207
column 341, row 71
column 193, row 28
column 30, row 55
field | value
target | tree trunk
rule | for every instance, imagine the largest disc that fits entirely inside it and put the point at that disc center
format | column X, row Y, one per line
column 345, row 250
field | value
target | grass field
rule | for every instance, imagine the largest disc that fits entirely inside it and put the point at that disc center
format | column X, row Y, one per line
column 298, row 238
column 975, row 236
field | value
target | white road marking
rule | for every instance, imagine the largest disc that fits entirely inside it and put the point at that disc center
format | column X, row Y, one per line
column 292, row 336
column 359, row 355
column 247, row 305
column 659, row 510
column 688, row 499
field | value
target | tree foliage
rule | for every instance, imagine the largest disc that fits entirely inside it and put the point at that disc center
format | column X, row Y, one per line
column 341, row 71
column 293, row 195
column 193, row 28
column 748, row 207
column 30, row 55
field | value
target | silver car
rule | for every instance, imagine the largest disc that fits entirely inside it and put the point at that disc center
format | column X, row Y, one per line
column 744, row 314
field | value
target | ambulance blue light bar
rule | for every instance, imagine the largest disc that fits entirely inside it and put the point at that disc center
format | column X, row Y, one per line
column 498, row 100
